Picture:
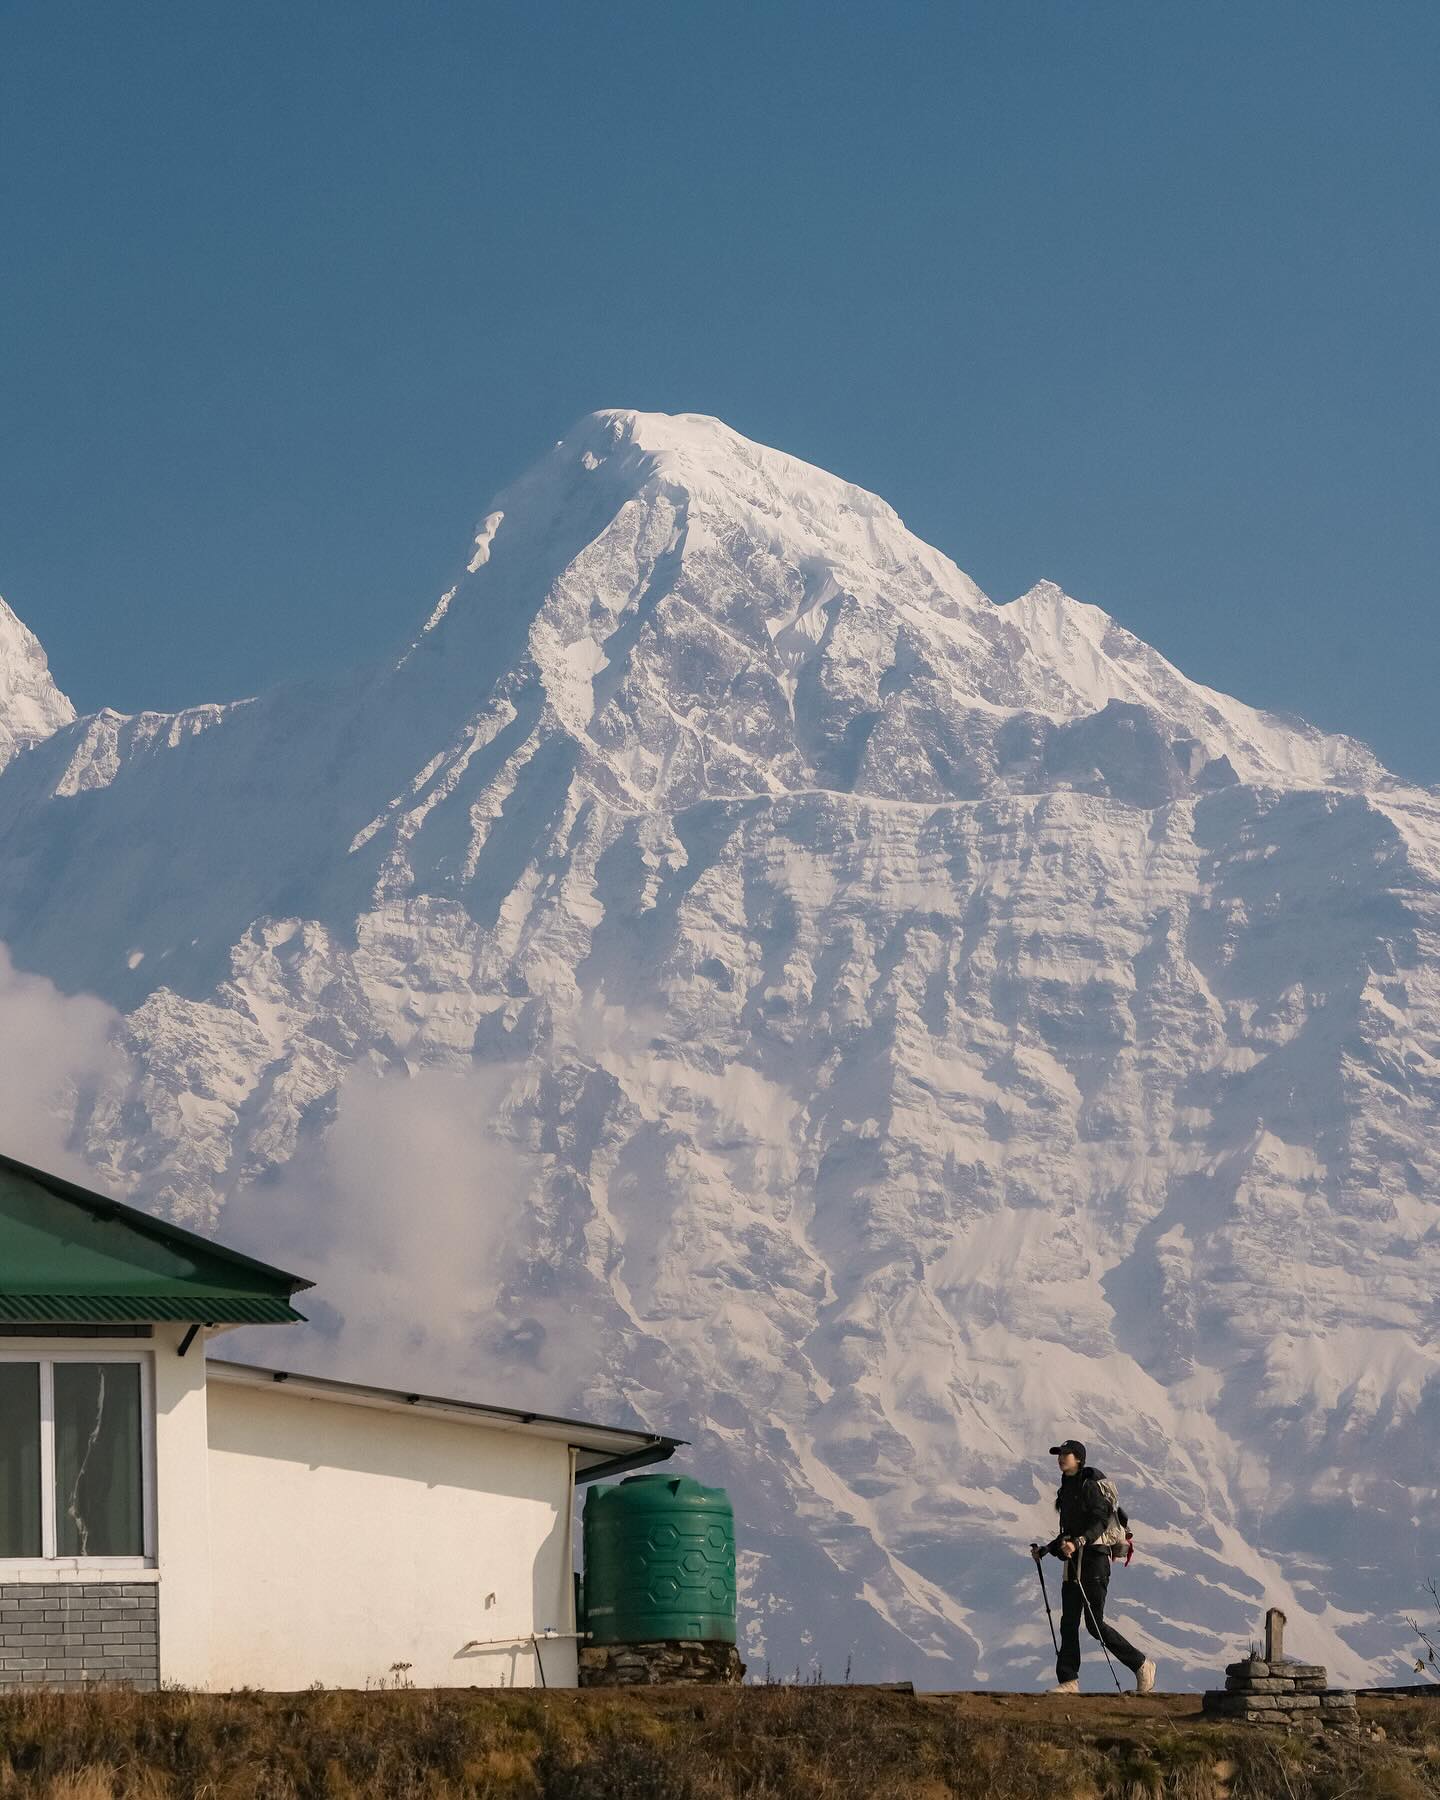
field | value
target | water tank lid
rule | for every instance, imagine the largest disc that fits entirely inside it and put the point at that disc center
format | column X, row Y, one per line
column 678, row 1485
column 650, row 1490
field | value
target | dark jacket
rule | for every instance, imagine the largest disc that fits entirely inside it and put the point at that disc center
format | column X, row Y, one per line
column 1084, row 1512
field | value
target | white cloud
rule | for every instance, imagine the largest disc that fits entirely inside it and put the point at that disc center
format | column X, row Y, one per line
column 413, row 1211
column 60, row 1065
column 410, row 1213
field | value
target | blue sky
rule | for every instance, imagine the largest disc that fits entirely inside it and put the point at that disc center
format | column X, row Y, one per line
column 1138, row 297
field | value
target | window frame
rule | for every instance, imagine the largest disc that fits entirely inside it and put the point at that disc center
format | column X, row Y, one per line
column 48, row 1559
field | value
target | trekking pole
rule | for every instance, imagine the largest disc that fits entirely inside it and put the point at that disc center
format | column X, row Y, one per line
column 1040, row 1571
column 1078, row 1577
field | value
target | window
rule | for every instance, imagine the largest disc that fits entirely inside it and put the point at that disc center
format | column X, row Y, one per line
column 74, row 1434
column 20, row 1459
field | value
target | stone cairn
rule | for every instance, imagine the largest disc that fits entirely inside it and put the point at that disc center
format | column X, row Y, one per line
column 1273, row 1690
column 680, row 1662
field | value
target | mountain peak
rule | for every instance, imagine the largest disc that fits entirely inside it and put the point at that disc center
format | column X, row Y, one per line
column 709, row 616
column 638, row 531
column 699, row 453
column 31, row 706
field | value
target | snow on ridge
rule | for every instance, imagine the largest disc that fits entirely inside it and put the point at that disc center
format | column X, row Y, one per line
column 1095, row 658
column 772, row 491
column 31, row 705
column 697, row 448
column 678, row 504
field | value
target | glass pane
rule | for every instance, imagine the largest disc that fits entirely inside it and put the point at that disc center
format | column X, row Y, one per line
column 97, row 1460
column 19, row 1459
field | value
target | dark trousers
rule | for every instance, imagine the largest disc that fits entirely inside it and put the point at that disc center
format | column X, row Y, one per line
column 1095, row 1580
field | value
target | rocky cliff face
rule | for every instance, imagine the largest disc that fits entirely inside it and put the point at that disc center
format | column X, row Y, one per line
column 755, row 981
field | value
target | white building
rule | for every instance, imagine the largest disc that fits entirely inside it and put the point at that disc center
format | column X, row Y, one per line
column 167, row 1516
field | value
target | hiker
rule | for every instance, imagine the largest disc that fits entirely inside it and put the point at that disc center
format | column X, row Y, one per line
column 1089, row 1524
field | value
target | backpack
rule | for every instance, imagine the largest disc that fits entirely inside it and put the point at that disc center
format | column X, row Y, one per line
column 1115, row 1538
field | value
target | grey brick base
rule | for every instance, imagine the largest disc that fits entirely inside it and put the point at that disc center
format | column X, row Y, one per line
column 72, row 1633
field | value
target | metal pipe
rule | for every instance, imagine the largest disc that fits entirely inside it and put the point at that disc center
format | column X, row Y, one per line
column 570, row 1542
column 523, row 1637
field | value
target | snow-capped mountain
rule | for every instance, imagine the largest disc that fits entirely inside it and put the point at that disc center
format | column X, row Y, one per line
column 871, row 1031
column 31, row 706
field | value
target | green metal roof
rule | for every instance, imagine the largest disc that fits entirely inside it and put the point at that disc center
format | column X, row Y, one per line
column 67, row 1254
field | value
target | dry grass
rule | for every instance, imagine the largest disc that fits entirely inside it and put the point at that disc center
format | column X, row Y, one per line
column 755, row 1743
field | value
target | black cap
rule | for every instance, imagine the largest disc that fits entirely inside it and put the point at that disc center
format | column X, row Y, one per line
column 1069, row 1444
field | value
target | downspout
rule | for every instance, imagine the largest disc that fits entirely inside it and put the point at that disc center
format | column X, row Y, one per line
column 572, row 1624
column 568, row 1574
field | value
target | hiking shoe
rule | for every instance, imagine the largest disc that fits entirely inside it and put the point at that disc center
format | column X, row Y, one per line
column 1145, row 1678
column 1066, row 1687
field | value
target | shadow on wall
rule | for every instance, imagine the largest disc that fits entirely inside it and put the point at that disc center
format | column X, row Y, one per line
column 548, row 1610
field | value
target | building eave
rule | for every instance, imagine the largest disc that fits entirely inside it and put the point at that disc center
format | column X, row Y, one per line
column 198, row 1308
column 602, row 1450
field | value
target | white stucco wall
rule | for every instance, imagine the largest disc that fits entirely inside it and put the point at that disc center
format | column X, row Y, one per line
column 182, row 1513
column 346, row 1539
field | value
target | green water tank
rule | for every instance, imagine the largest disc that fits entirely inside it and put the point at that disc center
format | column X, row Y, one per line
column 659, row 1561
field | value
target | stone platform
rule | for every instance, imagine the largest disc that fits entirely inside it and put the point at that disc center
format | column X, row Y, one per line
column 678, row 1663
column 1291, row 1694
